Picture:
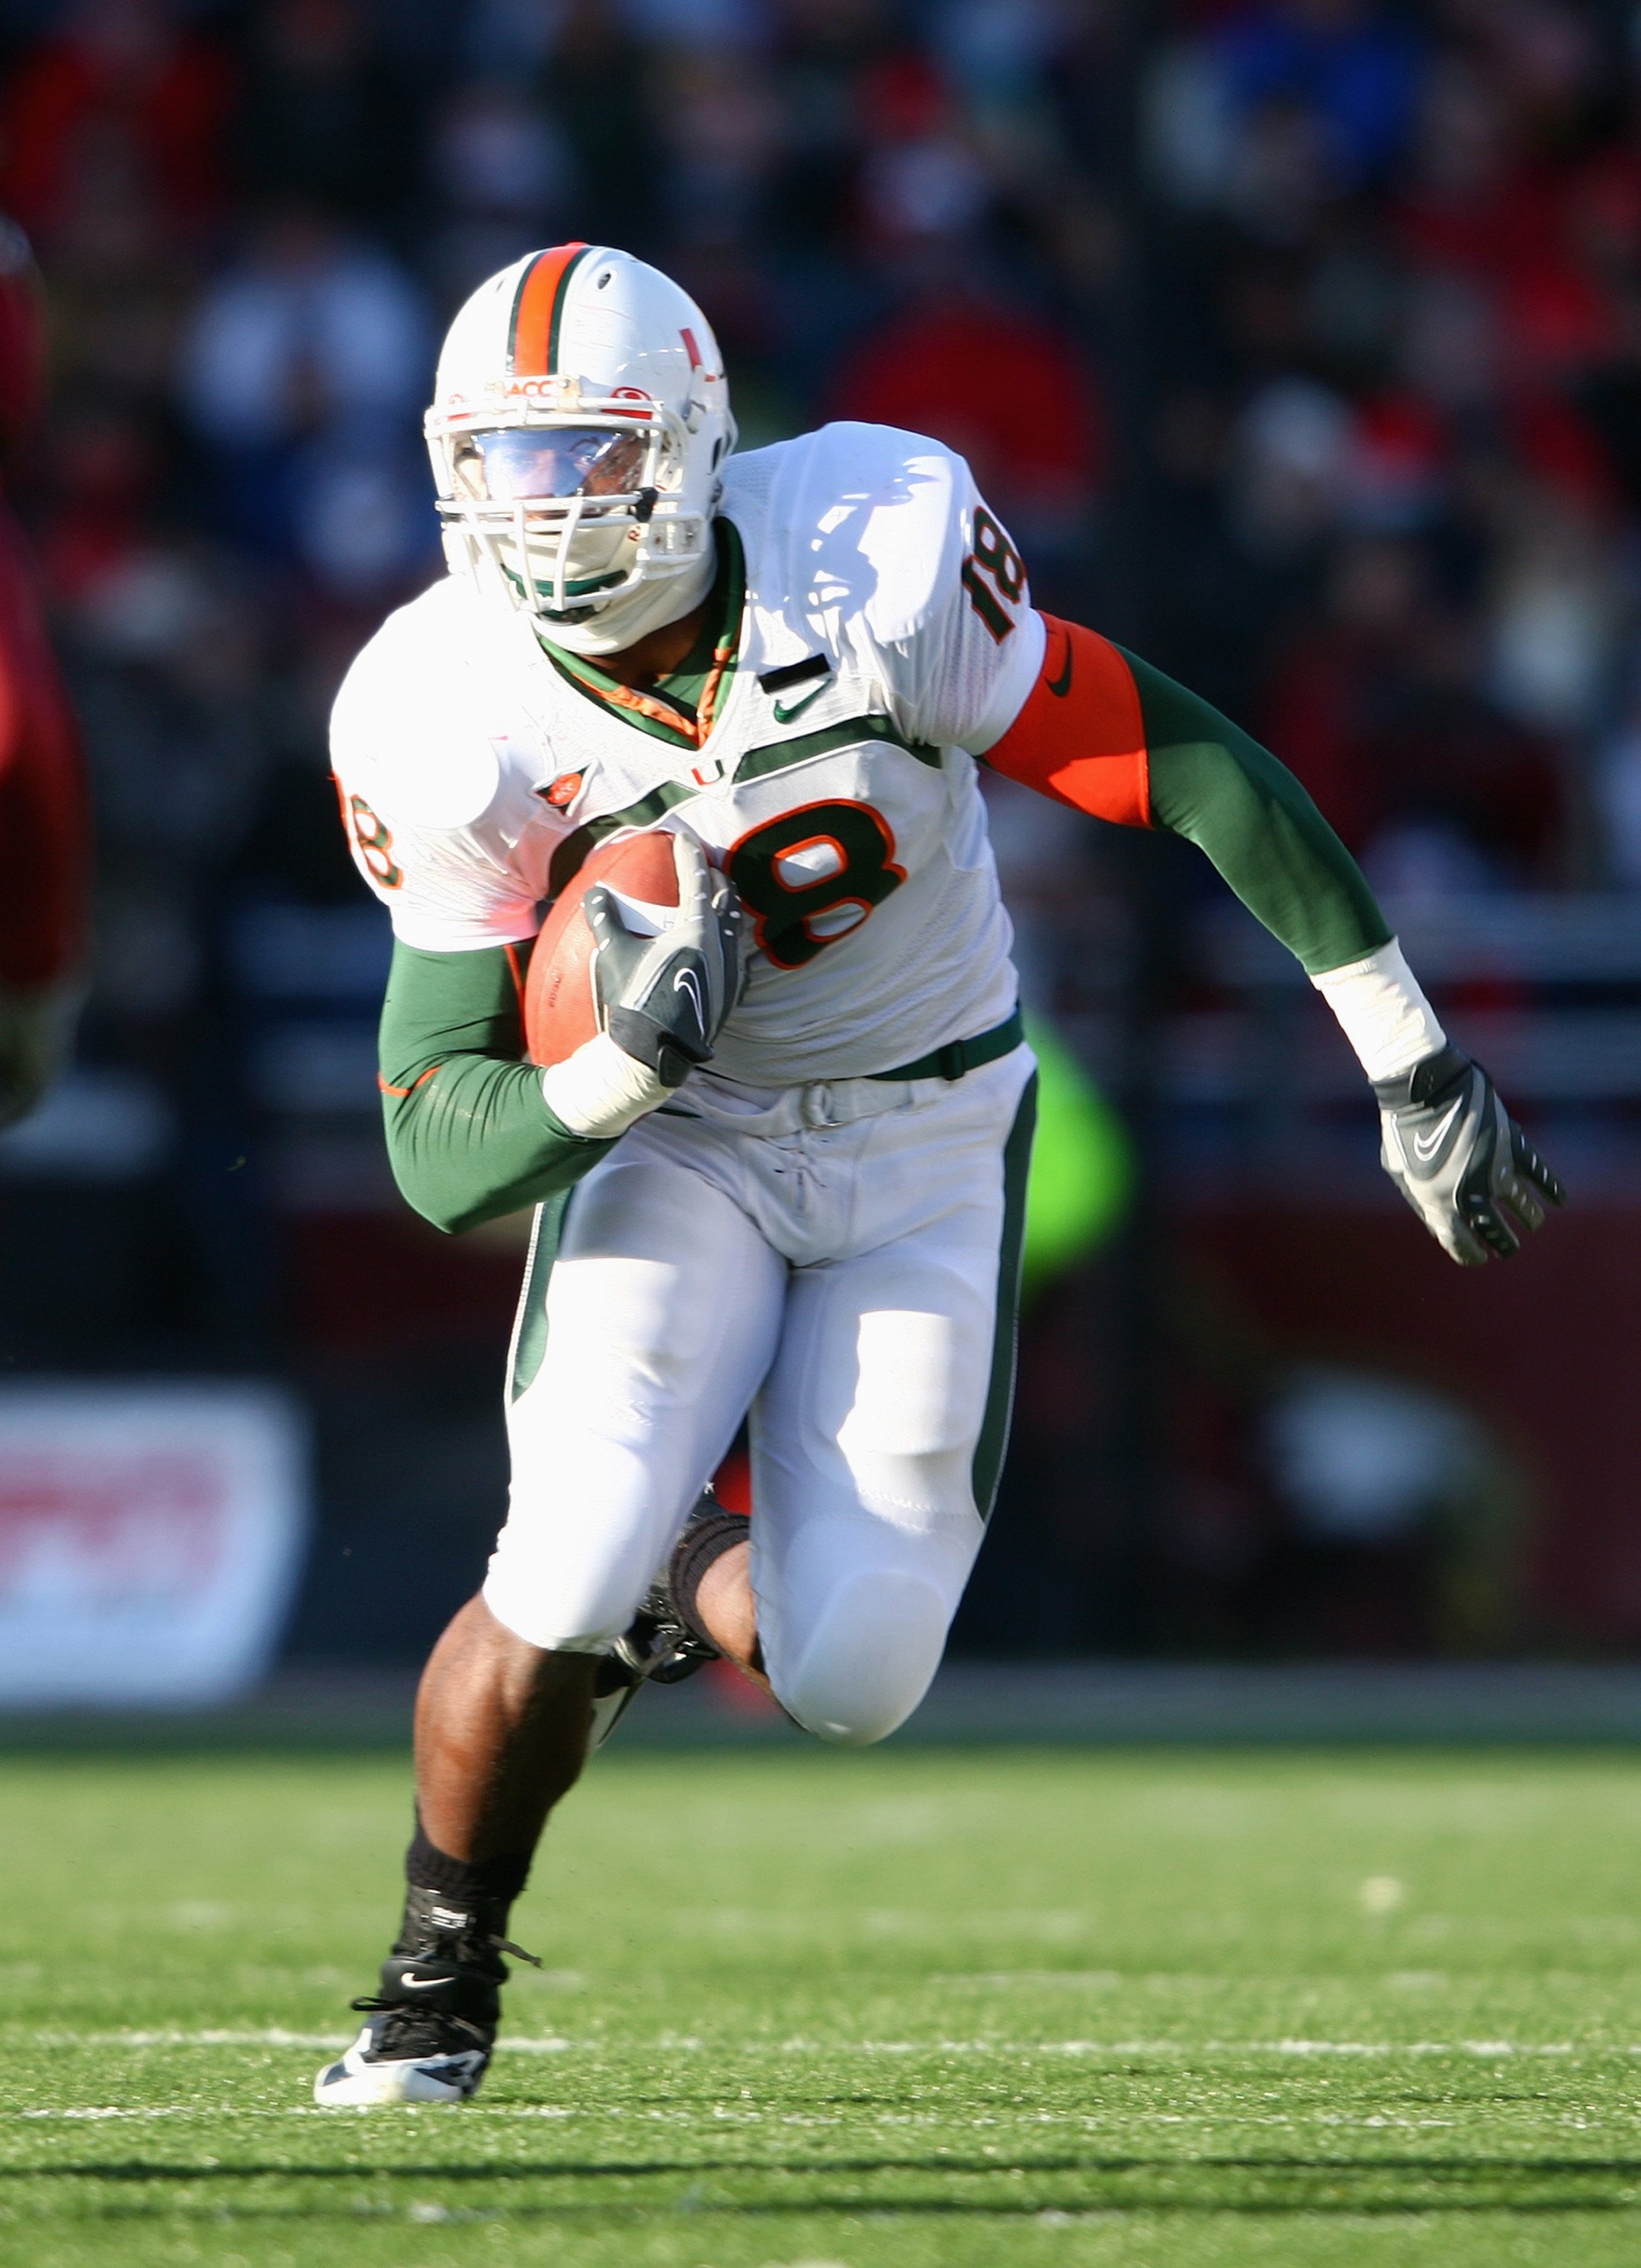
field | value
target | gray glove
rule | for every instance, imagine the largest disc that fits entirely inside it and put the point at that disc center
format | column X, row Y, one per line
column 663, row 999
column 1450, row 1146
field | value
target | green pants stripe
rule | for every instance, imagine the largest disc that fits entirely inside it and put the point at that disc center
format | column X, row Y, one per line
column 529, row 1345
column 994, row 1431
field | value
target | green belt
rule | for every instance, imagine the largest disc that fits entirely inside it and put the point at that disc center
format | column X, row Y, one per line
column 959, row 1055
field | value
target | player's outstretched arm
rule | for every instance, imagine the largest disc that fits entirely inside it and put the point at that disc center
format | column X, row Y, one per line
column 1106, row 733
column 469, row 1134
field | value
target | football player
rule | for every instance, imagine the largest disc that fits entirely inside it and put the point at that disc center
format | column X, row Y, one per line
column 793, row 1184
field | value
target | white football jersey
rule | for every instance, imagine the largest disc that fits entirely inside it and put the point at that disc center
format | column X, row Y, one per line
column 886, row 633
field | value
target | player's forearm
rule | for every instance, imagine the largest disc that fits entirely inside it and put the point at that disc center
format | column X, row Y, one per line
column 469, row 1135
column 477, row 1141
column 1104, row 731
column 1215, row 784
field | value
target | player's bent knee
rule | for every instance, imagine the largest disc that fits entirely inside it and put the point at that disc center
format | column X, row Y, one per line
column 868, row 1657
column 542, row 1607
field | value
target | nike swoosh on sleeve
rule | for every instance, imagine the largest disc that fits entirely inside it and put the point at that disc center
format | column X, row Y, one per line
column 1062, row 685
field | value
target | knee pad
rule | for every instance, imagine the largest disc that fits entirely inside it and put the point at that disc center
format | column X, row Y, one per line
column 567, row 1600
column 867, row 1657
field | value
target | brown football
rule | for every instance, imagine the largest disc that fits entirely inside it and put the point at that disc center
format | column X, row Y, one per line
column 559, row 1011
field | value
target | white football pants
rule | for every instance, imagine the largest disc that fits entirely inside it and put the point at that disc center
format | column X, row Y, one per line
column 843, row 1261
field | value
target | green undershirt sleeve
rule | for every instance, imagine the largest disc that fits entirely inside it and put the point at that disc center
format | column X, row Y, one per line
column 1212, row 784
column 468, row 1135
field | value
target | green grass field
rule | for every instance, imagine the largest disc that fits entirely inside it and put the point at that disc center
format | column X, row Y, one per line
column 1019, row 2007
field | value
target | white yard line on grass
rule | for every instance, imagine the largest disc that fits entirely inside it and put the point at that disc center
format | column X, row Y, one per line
column 274, row 2037
column 106, row 2110
column 215, row 2111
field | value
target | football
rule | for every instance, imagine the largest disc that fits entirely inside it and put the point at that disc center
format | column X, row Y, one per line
column 559, row 1010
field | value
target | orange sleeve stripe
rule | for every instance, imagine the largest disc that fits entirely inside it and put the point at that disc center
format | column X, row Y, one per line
column 1081, row 737
column 403, row 1091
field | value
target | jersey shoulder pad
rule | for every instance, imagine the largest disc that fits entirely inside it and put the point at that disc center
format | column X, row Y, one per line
column 865, row 522
column 403, row 729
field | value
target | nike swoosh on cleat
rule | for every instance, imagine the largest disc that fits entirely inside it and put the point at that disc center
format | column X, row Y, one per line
column 785, row 715
column 422, row 1984
column 1426, row 1145
column 1062, row 685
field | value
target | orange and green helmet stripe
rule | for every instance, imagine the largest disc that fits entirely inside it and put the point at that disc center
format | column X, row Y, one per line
column 538, row 310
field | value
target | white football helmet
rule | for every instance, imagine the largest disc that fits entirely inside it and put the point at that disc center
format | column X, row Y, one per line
column 580, row 425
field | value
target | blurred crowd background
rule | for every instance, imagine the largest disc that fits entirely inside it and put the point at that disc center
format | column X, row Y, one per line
column 1299, row 342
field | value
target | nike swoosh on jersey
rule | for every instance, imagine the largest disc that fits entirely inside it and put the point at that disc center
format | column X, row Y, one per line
column 1426, row 1145
column 784, row 715
column 1062, row 685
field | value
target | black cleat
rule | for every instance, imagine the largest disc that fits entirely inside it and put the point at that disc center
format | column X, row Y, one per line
column 431, row 2028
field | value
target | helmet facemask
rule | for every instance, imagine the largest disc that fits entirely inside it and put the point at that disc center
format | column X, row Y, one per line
column 570, row 510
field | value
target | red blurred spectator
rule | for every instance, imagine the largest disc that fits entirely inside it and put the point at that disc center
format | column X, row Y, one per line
column 922, row 180
column 1480, row 206
column 1400, row 456
column 120, row 85
column 1472, row 204
column 1376, row 711
column 102, row 479
column 43, row 844
column 1006, row 390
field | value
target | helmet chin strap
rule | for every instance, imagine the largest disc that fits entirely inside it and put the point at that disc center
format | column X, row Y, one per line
column 612, row 628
